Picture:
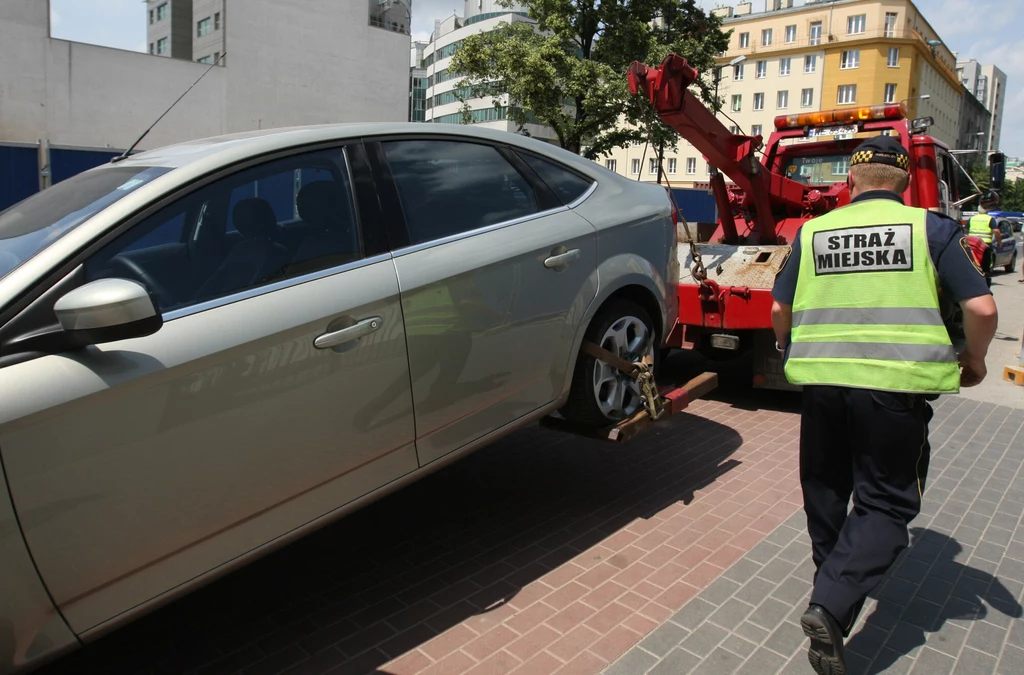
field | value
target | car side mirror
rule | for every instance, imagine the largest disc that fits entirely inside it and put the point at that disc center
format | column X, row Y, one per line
column 997, row 171
column 107, row 310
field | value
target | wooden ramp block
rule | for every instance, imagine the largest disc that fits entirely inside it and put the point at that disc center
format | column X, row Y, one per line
column 1014, row 374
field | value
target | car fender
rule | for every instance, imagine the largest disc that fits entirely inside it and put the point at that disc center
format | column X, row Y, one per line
column 614, row 274
column 31, row 629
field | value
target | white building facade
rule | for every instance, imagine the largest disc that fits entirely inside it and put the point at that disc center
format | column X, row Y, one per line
column 988, row 84
column 442, row 101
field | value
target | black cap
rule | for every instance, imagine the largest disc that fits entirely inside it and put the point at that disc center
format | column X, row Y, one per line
column 881, row 150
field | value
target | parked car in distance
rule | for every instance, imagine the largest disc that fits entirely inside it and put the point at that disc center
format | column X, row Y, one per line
column 1005, row 252
column 208, row 350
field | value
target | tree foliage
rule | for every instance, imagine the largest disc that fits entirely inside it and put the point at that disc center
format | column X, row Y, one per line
column 571, row 73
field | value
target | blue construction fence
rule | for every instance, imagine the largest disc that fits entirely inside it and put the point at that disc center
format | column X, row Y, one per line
column 22, row 173
column 698, row 206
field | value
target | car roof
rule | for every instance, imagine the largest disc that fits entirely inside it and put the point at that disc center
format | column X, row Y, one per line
column 230, row 148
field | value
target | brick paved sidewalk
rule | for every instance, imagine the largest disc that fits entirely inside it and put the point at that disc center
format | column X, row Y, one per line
column 951, row 604
column 541, row 553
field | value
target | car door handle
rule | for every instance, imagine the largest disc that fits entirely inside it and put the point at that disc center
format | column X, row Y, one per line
column 350, row 334
column 562, row 258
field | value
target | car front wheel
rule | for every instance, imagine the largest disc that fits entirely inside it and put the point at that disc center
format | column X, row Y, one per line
column 1013, row 263
column 602, row 395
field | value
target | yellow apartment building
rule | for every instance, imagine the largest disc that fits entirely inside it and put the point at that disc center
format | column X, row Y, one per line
column 823, row 55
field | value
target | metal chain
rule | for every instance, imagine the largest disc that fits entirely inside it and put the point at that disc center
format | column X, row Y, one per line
column 698, row 271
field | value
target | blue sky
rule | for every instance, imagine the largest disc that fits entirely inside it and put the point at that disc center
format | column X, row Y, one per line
column 965, row 25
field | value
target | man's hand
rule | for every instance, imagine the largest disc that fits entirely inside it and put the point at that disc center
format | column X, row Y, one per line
column 972, row 369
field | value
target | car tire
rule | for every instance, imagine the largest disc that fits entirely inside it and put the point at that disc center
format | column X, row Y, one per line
column 1013, row 263
column 601, row 396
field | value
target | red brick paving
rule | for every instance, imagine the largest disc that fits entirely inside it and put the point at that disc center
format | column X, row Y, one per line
column 541, row 554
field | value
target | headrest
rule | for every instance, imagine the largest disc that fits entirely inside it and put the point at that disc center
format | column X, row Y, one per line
column 255, row 218
column 320, row 204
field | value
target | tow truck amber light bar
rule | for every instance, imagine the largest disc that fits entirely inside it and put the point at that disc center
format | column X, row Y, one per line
column 892, row 111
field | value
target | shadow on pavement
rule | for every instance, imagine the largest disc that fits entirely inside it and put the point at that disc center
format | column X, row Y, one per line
column 914, row 603
column 456, row 546
column 734, row 382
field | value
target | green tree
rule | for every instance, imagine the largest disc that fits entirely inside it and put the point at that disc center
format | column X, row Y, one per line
column 571, row 73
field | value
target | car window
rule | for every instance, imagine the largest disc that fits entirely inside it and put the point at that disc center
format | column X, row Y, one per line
column 257, row 226
column 567, row 185
column 450, row 187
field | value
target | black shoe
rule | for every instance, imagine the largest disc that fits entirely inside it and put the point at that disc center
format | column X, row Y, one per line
column 826, row 650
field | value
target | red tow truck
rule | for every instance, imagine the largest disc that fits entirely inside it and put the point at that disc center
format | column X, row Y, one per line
column 726, row 278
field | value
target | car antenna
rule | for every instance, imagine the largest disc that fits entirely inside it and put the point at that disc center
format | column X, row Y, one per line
column 146, row 132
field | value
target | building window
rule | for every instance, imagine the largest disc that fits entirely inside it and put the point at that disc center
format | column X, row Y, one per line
column 851, row 59
column 390, row 15
column 151, row 17
column 161, row 46
column 151, row 47
column 203, row 27
column 782, row 100
column 790, row 34
column 762, row 70
column 894, row 57
column 636, row 167
column 890, row 24
column 841, row 167
column 755, row 130
column 759, row 101
column 737, row 102
column 205, row 59
column 785, row 65
column 810, row 63
column 847, row 94
column 737, row 72
column 766, row 37
column 216, row 21
column 691, row 165
column 855, row 25
column 216, row 58
column 807, row 98
column 652, row 166
column 161, row 12
column 744, row 40
column 672, row 165
column 815, row 33
column 611, row 164
column 890, row 93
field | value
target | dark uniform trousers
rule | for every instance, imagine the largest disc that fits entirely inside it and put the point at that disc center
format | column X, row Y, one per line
column 873, row 446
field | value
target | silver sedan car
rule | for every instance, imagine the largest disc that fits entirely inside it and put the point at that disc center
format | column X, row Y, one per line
column 210, row 349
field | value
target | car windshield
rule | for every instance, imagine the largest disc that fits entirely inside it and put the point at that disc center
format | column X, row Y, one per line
column 818, row 169
column 33, row 224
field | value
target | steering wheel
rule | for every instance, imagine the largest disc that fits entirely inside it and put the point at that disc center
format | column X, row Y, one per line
column 163, row 296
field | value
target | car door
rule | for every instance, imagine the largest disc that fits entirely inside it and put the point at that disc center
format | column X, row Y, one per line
column 276, row 391
column 495, row 279
column 1007, row 245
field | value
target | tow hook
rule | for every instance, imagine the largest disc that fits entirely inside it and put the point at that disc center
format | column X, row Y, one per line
column 741, row 291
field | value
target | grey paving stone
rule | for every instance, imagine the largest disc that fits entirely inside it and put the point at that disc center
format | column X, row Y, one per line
column 991, row 552
column 793, row 591
column 719, row 662
column 763, row 552
column 783, row 535
column 777, row 570
column 744, row 570
column 770, row 613
column 986, row 637
column 705, row 639
column 719, row 591
column 922, row 613
column 739, row 646
column 931, row 662
column 891, row 663
column 868, row 641
column 664, row 638
column 786, row 639
column 973, row 662
column 636, row 662
column 762, row 662
column 755, row 634
column 730, row 615
column 693, row 614
column 949, row 638
column 1011, row 662
column 797, row 552
column 755, row 591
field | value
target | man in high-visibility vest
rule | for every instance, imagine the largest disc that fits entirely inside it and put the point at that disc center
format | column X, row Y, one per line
column 984, row 227
column 857, row 316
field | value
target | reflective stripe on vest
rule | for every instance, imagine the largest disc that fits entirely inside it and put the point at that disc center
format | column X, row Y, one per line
column 866, row 309
column 980, row 226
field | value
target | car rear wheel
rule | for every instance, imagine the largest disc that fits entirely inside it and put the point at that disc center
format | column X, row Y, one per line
column 600, row 394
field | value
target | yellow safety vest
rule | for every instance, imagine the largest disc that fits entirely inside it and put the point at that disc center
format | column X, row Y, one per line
column 980, row 226
column 866, row 311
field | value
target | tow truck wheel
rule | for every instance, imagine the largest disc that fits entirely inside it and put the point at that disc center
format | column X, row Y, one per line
column 600, row 394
